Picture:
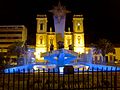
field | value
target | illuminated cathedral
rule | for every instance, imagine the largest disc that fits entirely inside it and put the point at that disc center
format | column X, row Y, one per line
column 72, row 37
column 44, row 39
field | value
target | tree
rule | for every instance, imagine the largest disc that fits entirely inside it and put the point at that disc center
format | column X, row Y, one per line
column 18, row 49
column 104, row 47
column 2, row 58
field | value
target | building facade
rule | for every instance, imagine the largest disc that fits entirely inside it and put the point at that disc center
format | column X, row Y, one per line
column 10, row 34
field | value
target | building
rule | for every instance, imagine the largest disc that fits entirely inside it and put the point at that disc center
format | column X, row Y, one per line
column 44, row 39
column 10, row 34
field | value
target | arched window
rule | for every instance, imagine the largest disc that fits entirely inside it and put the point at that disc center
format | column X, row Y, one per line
column 68, row 42
column 78, row 39
column 78, row 26
column 41, row 26
column 41, row 39
column 51, row 41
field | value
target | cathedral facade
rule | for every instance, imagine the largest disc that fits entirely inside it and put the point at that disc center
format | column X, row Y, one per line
column 44, row 39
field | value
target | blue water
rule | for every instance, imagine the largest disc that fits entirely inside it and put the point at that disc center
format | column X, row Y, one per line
column 19, row 69
column 103, row 67
column 95, row 67
column 60, row 57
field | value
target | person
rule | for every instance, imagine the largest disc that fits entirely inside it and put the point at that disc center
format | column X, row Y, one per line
column 51, row 48
column 70, row 47
column 60, row 45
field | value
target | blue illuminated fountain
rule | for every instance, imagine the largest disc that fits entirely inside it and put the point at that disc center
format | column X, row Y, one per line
column 60, row 57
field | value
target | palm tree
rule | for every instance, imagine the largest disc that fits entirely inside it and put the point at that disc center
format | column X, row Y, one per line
column 104, row 47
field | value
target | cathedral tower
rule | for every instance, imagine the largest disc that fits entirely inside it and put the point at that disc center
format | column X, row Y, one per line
column 78, row 33
column 51, row 40
column 41, row 35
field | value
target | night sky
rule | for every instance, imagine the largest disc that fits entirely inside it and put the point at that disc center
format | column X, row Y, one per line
column 101, row 17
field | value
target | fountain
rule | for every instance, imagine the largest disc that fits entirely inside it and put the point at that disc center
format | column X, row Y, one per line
column 59, row 59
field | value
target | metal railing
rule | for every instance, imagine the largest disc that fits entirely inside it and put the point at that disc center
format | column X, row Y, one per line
column 80, row 80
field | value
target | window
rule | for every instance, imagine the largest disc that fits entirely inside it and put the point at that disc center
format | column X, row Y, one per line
column 78, row 26
column 6, row 42
column 11, row 32
column 68, row 41
column 51, row 41
column 41, row 39
column 10, row 37
column 41, row 26
column 111, row 57
column 78, row 39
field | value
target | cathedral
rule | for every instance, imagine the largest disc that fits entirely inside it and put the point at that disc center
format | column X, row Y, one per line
column 73, row 37
column 44, row 39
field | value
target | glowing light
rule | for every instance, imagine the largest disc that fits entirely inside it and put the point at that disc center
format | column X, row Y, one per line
column 39, row 67
column 78, row 24
column 51, row 66
column 19, row 69
column 59, row 11
column 86, row 67
column 79, row 50
column 29, row 50
column 33, row 58
column 35, row 68
column 38, row 52
column 65, row 57
column 55, row 58
column 42, row 58
column 61, row 69
column 86, row 52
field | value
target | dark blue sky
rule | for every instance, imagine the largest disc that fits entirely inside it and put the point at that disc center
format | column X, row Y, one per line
column 101, row 17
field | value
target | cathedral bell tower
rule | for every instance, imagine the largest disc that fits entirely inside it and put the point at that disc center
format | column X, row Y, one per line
column 78, row 33
column 41, row 35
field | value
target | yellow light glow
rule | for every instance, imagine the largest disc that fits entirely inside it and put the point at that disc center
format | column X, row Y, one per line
column 79, row 50
column 38, row 52
column 43, row 66
column 86, row 52
column 39, row 67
